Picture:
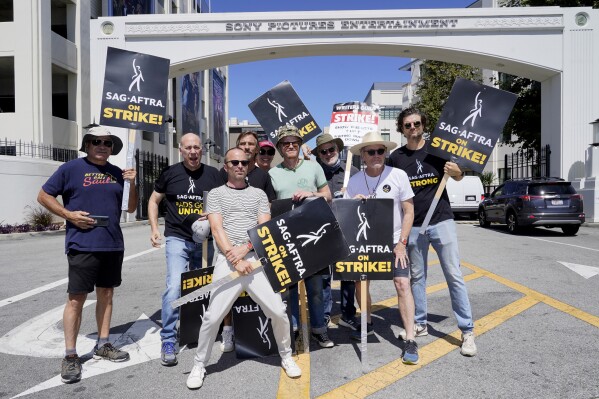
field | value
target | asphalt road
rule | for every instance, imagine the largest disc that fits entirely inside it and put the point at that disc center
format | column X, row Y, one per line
column 537, row 325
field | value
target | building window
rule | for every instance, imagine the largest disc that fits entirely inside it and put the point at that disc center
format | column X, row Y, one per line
column 389, row 113
column 147, row 136
column 60, row 94
column 386, row 136
column 6, row 11
column 7, row 84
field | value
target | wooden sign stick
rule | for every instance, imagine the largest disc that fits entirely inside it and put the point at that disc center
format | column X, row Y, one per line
column 304, row 316
column 363, row 323
column 431, row 210
column 347, row 168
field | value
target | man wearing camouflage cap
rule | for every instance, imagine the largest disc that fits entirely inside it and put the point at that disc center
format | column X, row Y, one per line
column 299, row 179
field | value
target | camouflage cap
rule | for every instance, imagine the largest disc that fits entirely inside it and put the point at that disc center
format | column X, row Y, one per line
column 288, row 131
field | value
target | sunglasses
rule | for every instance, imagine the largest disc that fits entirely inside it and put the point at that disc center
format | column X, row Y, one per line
column 328, row 150
column 97, row 142
column 236, row 162
column 290, row 143
column 269, row 151
column 408, row 125
column 379, row 151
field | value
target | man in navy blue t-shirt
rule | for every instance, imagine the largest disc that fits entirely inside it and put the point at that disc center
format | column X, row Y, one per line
column 92, row 193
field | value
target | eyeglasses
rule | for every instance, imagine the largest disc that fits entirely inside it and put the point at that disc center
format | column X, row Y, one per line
column 269, row 151
column 97, row 142
column 379, row 151
column 236, row 162
column 408, row 125
column 331, row 150
column 290, row 143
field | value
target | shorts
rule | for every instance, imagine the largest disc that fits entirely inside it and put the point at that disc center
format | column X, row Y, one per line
column 93, row 269
column 398, row 271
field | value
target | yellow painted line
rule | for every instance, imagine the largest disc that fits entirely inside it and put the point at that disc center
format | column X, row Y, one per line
column 392, row 372
column 296, row 388
column 561, row 306
column 392, row 302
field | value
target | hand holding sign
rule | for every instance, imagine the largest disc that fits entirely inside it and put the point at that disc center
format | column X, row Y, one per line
column 468, row 129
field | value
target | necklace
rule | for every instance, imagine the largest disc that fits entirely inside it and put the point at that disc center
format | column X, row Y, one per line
column 373, row 194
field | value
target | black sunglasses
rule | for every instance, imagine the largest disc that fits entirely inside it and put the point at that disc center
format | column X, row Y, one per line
column 97, row 142
column 408, row 125
column 328, row 150
column 379, row 151
column 236, row 162
column 269, row 151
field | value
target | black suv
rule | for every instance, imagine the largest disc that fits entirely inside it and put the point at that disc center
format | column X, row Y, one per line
column 546, row 201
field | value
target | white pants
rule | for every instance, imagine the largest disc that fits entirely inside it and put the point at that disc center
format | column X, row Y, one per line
column 257, row 286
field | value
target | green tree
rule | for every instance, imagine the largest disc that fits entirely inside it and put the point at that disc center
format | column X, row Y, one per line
column 524, row 124
column 436, row 81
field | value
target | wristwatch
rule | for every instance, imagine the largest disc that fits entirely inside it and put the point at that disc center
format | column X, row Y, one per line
column 404, row 241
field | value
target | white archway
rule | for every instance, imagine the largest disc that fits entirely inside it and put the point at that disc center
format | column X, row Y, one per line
column 556, row 46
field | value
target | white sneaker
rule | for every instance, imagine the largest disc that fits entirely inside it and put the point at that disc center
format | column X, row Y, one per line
column 468, row 345
column 291, row 368
column 196, row 377
column 420, row 330
column 228, row 342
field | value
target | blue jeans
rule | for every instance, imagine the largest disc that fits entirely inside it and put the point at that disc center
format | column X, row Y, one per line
column 181, row 256
column 442, row 236
column 315, row 304
column 348, row 292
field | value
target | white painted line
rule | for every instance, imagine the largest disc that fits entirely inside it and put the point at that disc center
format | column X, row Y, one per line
column 32, row 292
column 58, row 283
column 563, row 243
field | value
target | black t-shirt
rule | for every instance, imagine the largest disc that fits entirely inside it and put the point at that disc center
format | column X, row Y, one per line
column 184, row 193
column 425, row 172
column 256, row 178
column 335, row 179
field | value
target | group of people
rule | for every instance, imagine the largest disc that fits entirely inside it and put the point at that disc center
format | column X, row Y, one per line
column 238, row 199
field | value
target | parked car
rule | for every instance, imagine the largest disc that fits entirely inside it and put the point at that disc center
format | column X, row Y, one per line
column 465, row 195
column 547, row 202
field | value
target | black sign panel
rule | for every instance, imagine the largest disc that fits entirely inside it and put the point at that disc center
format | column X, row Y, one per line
column 134, row 95
column 191, row 314
column 254, row 336
column 299, row 243
column 470, row 124
column 368, row 228
column 282, row 106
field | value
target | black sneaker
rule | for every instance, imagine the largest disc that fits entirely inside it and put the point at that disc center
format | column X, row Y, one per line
column 109, row 352
column 323, row 340
column 357, row 333
column 352, row 323
column 71, row 369
column 410, row 353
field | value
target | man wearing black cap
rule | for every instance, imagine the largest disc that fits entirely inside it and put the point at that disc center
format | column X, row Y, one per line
column 92, row 192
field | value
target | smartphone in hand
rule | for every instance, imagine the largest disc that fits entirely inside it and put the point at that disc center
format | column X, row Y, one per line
column 101, row 221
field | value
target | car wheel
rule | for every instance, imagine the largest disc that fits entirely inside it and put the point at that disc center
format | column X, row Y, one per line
column 482, row 218
column 512, row 223
column 570, row 230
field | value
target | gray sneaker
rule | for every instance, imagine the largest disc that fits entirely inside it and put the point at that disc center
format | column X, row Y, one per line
column 109, row 352
column 71, row 369
column 168, row 354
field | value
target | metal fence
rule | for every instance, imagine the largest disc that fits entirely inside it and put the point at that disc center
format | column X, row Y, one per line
column 31, row 150
column 149, row 166
column 522, row 164
column 528, row 163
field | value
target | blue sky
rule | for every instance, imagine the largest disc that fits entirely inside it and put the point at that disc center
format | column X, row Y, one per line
column 319, row 81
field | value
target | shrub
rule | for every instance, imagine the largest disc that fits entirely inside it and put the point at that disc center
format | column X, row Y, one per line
column 38, row 217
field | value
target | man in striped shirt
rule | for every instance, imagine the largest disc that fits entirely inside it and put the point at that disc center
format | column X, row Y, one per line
column 233, row 209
